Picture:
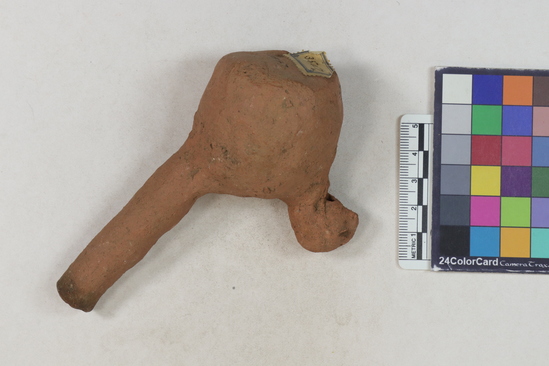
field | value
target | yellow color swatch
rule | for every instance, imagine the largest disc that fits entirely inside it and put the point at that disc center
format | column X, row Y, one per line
column 515, row 242
column 485, row 180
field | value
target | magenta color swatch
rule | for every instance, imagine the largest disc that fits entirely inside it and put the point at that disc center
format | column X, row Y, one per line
column 485, row 211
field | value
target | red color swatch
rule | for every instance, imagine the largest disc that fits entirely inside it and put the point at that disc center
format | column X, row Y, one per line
column 485, row 150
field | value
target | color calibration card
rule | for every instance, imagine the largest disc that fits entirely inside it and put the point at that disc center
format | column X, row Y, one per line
column 491, row 170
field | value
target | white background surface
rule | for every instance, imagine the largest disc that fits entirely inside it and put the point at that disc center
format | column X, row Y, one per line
column 95, row 95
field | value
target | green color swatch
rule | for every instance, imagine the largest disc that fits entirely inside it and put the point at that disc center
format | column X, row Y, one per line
column 540, row 182
column 515, row 211
column 486, row 120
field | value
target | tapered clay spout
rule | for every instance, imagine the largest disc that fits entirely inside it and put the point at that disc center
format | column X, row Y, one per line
column 263, row 129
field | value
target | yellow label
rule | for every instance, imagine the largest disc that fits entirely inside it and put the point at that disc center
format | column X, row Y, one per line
column 312, row 63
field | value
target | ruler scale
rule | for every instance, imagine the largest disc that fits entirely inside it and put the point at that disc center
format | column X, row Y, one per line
column 414, row 247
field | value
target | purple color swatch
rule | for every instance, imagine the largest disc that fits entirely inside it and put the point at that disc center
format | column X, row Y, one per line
column 516, row 181
column 540, row 212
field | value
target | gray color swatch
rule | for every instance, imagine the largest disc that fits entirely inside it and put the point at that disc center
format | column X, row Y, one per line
column 456, row 119
column 454, row 210
column 456, row 149
column 455, row 179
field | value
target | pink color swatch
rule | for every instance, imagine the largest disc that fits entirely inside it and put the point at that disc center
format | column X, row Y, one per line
column 485, row 211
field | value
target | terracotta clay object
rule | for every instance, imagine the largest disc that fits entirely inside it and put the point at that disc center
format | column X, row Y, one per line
column 263, row 129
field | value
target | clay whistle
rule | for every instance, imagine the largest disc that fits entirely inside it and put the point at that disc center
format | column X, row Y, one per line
column 264, row 128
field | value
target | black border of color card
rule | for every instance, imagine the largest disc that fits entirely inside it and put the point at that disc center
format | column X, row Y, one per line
column 467, row 233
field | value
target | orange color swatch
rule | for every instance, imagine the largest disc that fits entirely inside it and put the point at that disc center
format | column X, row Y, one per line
column 517, row 90
column 515, row 242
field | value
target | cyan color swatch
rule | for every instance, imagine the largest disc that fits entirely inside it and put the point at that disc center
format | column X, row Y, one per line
column 484, row 241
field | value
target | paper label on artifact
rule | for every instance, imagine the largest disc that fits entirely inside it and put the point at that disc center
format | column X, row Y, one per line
column 312, row 63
